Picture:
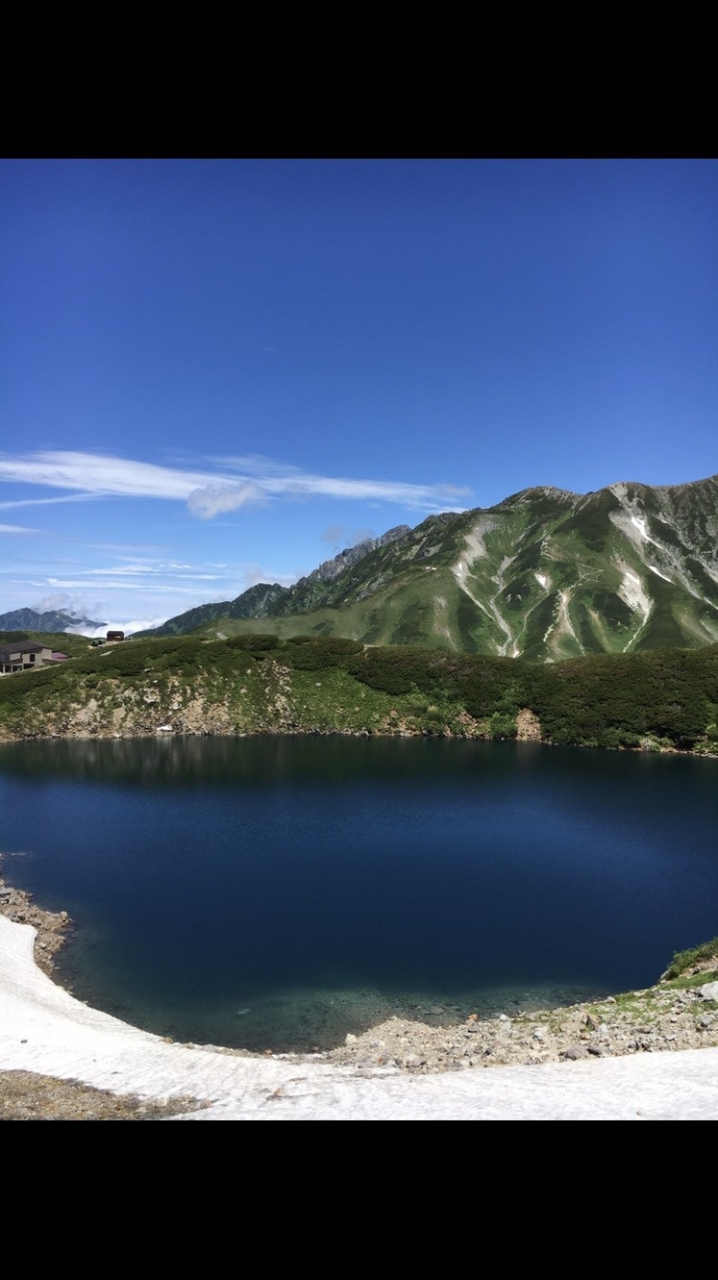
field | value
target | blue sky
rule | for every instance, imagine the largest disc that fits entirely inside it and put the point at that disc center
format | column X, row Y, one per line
column 214, row 373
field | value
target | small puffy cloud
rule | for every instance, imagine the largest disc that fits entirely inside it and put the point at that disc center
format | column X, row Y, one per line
column 254, row 573
column 212, row 500
column 57, row 600
column 334, row 534
column 338, row 535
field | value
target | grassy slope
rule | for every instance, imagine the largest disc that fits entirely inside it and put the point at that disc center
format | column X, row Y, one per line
column 253, row 684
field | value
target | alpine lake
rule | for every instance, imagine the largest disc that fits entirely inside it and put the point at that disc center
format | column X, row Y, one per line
column 278, row 892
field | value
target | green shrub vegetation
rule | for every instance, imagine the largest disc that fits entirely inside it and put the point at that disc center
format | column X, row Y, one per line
column 655, row 699
column 684, row 961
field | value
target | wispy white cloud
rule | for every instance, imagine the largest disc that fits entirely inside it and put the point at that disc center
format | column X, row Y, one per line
column 130, row 549
column 253, row 464
column 99, row 475
column 46, row 502
column 282, row 478
column 208, row 494
column 84, row 584
column 16, row 528
column 123, row 570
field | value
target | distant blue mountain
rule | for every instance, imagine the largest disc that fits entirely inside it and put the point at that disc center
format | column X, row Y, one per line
column 52, row 620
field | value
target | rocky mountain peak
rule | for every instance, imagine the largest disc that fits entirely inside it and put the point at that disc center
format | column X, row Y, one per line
column 352, row 555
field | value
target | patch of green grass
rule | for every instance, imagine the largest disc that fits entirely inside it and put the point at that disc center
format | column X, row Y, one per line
column 662, row 629
column 692, row 980
column 684, row 961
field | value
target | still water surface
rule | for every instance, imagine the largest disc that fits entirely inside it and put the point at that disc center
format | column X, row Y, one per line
column 279, row 892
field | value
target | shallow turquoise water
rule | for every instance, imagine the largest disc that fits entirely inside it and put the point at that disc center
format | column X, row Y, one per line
column 279, row 892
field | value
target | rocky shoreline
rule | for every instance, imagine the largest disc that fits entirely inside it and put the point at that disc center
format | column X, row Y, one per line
column 671, row 1015
column 662, row 1017
column 528, row 729
column 52, row 926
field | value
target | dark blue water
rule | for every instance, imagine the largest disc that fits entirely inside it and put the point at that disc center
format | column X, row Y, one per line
column 279, row 892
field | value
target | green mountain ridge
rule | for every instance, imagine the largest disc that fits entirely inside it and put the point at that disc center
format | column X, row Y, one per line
column 544, row 575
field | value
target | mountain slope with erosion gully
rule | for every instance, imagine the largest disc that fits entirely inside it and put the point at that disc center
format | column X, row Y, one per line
column 544, row 575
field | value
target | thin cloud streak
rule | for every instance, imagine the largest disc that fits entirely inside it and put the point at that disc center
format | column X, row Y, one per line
column 46, row 502
column 207, row 495
column 83, row 584
column 105, row 476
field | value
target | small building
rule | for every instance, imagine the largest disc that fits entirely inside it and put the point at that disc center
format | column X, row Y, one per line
column 115, row 635
column 23, row 655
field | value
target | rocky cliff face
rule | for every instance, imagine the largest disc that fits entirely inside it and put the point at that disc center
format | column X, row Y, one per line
column 346, row 559
column 327, row 583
